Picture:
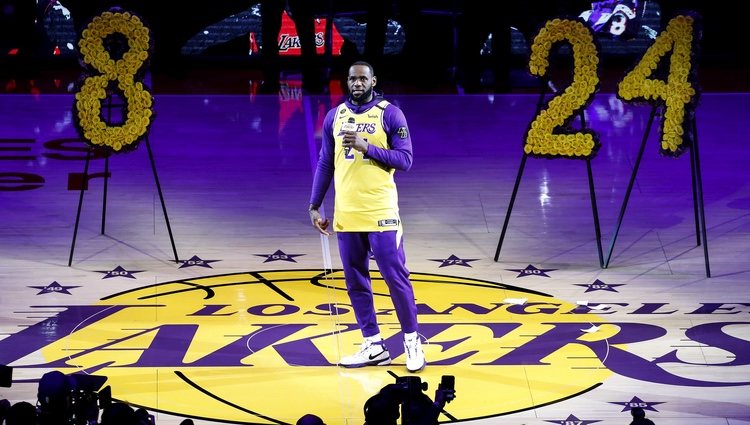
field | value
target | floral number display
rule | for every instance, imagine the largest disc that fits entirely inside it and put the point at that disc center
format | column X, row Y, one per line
column 678, row 93
column 114, row 75
column 549, row 134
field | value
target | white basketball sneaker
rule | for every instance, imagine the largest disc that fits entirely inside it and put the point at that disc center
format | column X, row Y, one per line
column 371, row 353
column 415, row 360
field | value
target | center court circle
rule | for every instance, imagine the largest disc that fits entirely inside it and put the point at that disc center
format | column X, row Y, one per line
column 262, row 347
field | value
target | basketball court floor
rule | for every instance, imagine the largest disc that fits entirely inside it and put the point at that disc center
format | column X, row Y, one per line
column 196, row 286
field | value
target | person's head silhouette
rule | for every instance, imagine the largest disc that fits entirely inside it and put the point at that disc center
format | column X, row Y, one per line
column 639, row 416
column 310, row 419
column 381, row 409
column 21, row 413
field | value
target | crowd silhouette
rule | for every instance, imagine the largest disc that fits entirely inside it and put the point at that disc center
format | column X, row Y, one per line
column 464, row 42
column 81, row 399
column 75, row 399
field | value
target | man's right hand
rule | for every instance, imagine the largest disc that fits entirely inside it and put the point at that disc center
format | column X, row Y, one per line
column 318, row 222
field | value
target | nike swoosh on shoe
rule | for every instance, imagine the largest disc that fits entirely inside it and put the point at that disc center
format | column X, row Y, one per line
column 372, row 357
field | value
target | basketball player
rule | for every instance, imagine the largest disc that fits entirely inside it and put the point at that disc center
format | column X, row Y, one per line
column 365, row 140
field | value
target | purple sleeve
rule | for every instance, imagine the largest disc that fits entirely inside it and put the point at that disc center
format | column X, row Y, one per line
column 399, row 156
column 324, row 169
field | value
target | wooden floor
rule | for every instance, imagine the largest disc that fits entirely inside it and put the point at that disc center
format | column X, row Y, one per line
column 543, row 335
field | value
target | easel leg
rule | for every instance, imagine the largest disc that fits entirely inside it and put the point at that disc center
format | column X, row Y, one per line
column 104, row 197
column 630, row 185
column 510, row 206
column 597, row 229
column 161, row 198
column 592, row 193
column 106, row 166
column 84, row 182
column 698, row 204
column 695, row 192
column 539, row 103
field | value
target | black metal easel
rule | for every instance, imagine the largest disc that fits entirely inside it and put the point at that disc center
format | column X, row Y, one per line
column 109, row 106
column 517, row 183
column 697, row 189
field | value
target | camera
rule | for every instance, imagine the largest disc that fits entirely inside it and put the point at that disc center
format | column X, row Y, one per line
column 71, row 399
column 407, row 399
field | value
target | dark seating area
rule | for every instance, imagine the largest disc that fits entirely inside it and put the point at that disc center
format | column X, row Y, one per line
column 420, row 47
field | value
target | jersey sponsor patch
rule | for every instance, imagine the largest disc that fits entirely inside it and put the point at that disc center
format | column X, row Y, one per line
column 388, row 222
column 403, row 132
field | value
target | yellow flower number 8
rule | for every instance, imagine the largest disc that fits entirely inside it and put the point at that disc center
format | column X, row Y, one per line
column 123, row 71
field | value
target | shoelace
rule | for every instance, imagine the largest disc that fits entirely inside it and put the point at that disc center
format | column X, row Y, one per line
column 367, row 344
column 411, row 346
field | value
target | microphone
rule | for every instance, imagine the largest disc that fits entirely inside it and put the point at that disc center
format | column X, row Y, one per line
column 349, row 125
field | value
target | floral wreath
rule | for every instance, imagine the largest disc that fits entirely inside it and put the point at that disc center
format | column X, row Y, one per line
column 108, row 75
column 541, row 138
column 677, row 92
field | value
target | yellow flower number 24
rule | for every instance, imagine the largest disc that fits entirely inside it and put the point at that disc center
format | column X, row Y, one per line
column 550, row 135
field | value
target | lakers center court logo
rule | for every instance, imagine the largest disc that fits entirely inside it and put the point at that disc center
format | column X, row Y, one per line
column 262, row 347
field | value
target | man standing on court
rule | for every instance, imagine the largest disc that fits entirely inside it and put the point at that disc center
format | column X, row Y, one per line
column 365, row 140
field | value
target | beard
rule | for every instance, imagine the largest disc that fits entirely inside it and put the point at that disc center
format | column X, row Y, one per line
column 364, row 96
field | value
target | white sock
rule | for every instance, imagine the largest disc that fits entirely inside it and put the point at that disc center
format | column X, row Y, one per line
column 373, row 338
column 411, row 335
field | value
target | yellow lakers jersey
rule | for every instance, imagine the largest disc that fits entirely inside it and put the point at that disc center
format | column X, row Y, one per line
column 366, row 197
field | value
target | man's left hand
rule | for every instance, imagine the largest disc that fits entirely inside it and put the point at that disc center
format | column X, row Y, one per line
column 355, row 141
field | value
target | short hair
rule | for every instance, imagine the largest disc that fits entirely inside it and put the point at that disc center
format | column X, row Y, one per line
column 118, row 413
column 381, row 409
column 21, row 413
column 363, row 63
column 310, row 419
column 638, row 412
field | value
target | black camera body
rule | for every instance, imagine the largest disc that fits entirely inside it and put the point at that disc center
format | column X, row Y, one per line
column 410, row 386
column 408, row 396
column 86, row 405
column 71, row 400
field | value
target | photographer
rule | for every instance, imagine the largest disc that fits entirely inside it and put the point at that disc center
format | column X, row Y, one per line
column 55, row 398
column 407, row 396
column 76, row 399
